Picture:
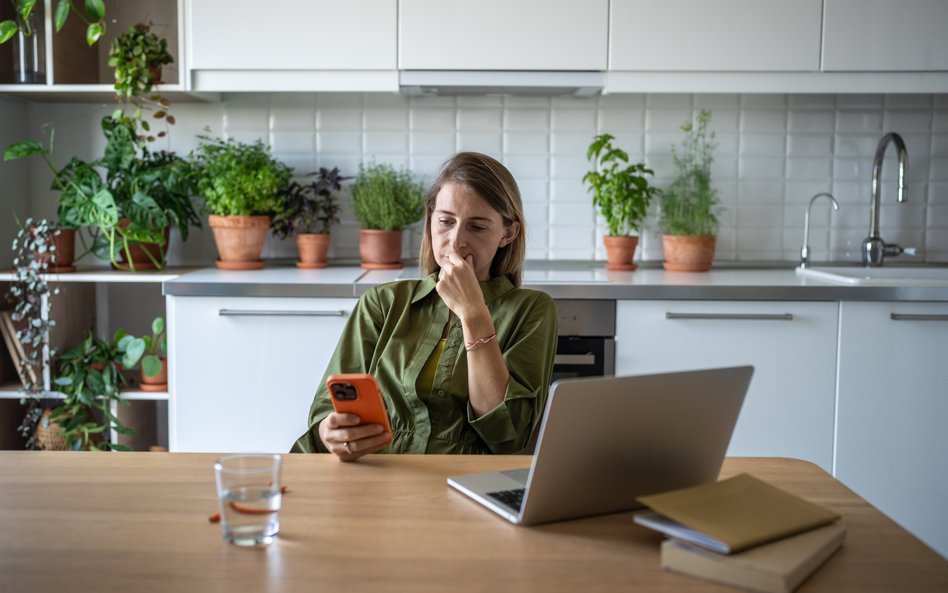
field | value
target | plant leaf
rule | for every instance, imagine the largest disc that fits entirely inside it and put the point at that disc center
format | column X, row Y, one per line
column 22, row 149
column 95, row 10
column 62, row 13
column 93, row 33
column 151, row 365
column 7, row 30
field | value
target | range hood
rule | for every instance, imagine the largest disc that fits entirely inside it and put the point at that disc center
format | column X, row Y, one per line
column 491, row 82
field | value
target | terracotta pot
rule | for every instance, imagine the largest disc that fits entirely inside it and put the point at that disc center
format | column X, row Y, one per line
column 61, row 261
column 380, row 250
column 239, row 240
column 685, row 253
column 313, row 248
column 619, row 252
column 140, row 253
column 157, row 382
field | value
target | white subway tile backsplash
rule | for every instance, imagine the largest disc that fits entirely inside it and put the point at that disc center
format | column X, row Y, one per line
column 774, row 152
column 490, row 143
column 761, row 167
column 520, row 119
column 763, row 121
column 479, row 118
column 440, row 143
column 859, row 122
column 339, row 118
column 339, row 142
column 436, row 118
column 571, row 118
column 617, row 120
column 811, row 121
column 386, row 119
column 810, row 145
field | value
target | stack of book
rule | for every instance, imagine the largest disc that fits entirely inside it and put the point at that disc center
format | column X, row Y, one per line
column 743, row 532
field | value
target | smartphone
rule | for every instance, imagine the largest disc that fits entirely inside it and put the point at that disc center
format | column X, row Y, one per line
column 358, row 393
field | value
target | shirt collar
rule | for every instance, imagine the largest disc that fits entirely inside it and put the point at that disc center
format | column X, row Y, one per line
column 492, row 289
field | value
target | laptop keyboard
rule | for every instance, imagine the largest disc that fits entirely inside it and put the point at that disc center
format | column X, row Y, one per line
column 511, row 498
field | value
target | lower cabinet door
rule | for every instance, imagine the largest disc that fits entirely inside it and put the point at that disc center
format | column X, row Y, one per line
column 892, row 439
column 243, row 371
column 790, row 406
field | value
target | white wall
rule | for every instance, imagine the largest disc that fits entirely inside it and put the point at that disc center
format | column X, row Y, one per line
column 774, row 153
column 14, row 178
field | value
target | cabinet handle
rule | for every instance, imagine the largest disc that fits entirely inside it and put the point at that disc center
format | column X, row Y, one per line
column 740, row 316
column 277, row 313
column 583, row 359
column 917, row 317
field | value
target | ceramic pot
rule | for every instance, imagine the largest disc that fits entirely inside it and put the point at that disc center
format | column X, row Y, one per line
column 142, row 254
column 61, row 260
column 620, row 251
column 239, row 240
column 380, row 250
column 313, row 248
column 157, row 382
column 684, row 253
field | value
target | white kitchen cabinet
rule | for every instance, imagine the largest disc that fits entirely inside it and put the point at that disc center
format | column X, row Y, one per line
column 284, row 45
column 891, row 439
column 885, row 35
column 502, row 35
column 243, row 370
column 725, row 35
column 789, row 408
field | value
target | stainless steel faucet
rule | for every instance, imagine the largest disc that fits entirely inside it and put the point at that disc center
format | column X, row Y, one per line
column 874, row 249
column 805, row 250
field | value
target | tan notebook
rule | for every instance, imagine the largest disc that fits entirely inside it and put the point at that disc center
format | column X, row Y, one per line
column 732, row 514
column 777, row 567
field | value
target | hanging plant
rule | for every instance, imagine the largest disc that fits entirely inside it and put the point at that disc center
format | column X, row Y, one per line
column 137, row 57
column 31, row 297
column 92, row 13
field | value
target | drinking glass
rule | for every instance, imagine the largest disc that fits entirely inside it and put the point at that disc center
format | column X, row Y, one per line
column 248, row 493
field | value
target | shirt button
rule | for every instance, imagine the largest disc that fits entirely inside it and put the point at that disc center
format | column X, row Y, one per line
column 441, row 392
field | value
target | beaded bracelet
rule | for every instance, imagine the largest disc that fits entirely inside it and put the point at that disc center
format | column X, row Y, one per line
column 472, row 345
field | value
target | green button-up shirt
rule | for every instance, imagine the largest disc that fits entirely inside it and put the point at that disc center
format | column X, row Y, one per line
column 392, row 333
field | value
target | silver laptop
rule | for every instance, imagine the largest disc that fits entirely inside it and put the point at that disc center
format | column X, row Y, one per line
column 605, row 441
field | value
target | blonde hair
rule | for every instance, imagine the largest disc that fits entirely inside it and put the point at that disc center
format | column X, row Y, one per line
column 490, row 180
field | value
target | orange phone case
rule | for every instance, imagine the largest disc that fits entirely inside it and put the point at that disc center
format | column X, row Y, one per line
column 367, row 402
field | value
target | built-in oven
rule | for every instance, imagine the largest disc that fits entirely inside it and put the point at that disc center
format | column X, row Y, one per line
column 586, row 341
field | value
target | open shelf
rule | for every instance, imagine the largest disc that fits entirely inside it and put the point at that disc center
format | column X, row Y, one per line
column 112, row 276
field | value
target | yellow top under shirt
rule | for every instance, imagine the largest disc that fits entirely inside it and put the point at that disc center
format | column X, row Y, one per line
column 426, row 378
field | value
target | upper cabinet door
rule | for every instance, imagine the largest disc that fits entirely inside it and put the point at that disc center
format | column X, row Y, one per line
column 725, row 35
column 292, row 35
column 502, row 34
column 881, row 35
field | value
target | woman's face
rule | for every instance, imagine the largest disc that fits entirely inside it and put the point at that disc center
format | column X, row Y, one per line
column 464, row 223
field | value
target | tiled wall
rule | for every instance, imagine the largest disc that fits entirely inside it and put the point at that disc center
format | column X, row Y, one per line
column 774, row 153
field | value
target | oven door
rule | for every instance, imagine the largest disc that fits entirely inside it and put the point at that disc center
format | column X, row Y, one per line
column 584, row 356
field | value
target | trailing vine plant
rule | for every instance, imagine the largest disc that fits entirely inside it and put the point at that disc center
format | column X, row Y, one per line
column 31, row 295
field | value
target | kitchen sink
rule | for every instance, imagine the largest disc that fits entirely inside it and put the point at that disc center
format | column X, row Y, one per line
column 888, row 276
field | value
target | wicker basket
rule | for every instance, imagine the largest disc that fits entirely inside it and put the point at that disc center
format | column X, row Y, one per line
column 47, row 434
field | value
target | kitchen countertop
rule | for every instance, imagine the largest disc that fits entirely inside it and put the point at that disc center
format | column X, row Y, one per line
column 562, row 280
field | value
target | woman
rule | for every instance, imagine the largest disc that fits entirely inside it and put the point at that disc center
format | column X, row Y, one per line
column 462, row 356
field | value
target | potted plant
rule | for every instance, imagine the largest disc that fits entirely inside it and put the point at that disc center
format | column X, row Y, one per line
column 309, row 212
column 690, row 206
column 31, row 296
column 386, row 201
column 90, row 381
column 152, row 352
column 137, row 56
column 126, row 200
column 243, row 187
column 622, row 195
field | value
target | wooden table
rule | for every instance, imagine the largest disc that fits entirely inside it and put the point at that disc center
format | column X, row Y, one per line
column 134, row 522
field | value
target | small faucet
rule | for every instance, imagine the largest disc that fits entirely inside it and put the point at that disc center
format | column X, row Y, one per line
column 874, row 249
column 805, row 250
